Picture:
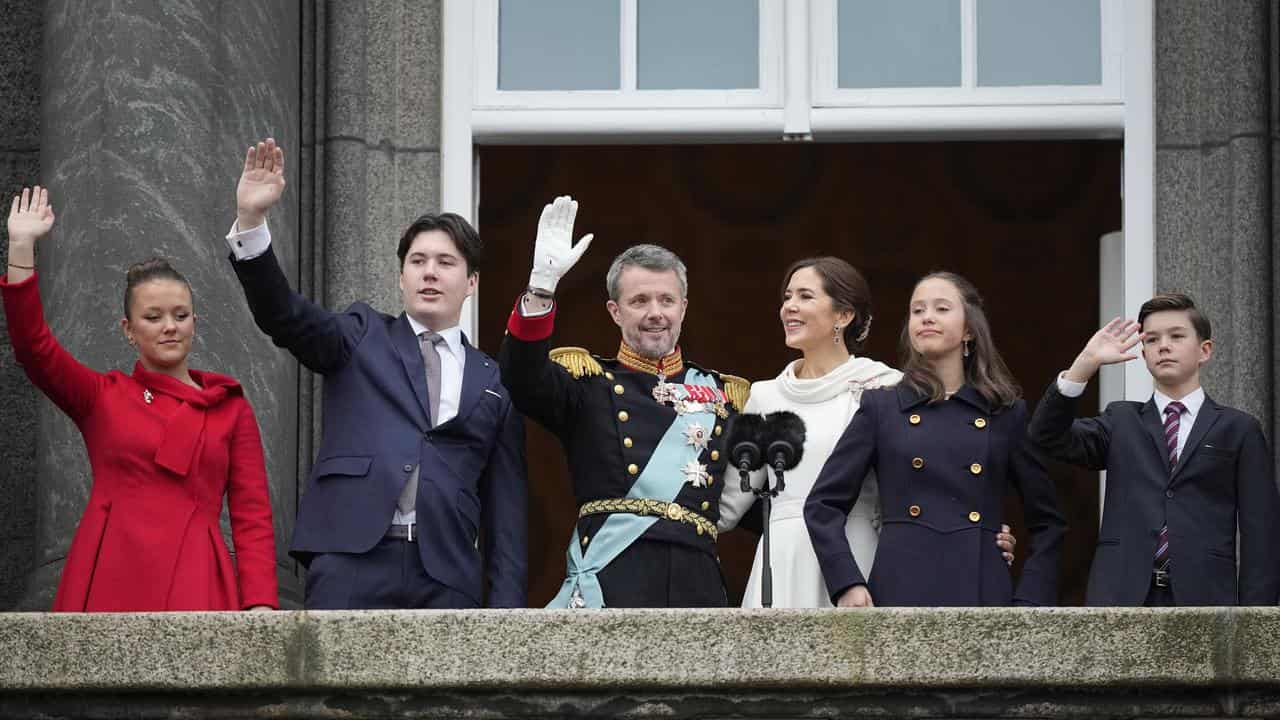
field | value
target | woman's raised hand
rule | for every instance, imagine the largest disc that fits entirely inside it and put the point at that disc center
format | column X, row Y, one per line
column 30, row 216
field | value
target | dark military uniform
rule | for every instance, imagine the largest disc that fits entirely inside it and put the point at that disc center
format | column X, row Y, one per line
column 943, row 469
column 605, row 414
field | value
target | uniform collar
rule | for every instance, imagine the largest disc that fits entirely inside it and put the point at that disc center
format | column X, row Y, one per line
column 909, row 398
column 668, row 366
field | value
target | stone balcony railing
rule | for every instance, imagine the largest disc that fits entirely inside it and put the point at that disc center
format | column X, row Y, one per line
column 919, row 663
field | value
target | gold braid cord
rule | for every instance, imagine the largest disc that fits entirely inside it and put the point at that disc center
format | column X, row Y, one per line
column 577, row 361
column 644, row 506
column 737, row 389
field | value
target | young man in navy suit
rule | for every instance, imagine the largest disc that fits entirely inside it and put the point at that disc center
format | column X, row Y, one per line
column 417, row 498
column 1184, row 474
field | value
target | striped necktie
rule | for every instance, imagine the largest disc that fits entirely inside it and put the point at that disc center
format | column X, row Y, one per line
column 1172, row 423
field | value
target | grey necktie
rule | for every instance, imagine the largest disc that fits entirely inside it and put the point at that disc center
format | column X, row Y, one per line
column 431, row 359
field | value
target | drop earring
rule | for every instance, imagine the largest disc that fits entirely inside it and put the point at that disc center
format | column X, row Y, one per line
column 835, row 336
column 965, row 343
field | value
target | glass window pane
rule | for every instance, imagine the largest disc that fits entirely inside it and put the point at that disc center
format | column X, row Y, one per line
column 903, row 43
column 704, row 44
column 1039, row 42
column 559, row 44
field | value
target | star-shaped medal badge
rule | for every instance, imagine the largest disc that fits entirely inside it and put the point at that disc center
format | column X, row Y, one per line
column 695, row 473
column 696, row 435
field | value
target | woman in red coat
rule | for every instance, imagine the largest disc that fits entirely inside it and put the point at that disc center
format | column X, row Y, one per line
column 165, row 443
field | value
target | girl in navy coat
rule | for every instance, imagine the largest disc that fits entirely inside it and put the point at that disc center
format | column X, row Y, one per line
column 946, row 444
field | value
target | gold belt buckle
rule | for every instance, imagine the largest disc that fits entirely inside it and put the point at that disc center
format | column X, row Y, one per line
column 675, row 512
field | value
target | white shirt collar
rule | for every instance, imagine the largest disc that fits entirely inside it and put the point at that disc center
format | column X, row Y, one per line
column 452, row 335
column 1192, row 401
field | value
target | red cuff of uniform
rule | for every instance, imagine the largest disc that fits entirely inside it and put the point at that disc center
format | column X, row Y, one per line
column 531, row 329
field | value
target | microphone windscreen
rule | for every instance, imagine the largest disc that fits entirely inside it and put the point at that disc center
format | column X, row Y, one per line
column 788, row 427
column 740, row 428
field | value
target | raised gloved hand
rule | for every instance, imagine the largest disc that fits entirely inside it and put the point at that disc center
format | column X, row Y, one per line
column 553, row 250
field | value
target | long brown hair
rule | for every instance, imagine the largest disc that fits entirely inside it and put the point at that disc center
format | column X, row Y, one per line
column 984, row 369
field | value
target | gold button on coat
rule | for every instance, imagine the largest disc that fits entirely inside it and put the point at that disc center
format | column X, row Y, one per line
column 706, row 505
column 718, row 430
column 914, row 419
column 585, row 538
column 980, row 423
column 975, row 516
column 633, row 468
column 617, row 389
column 608, row 376
column 715, row 455
column 623, row 416
column 914, row 511
column 917, row 463
column 976, row 469
column 626, row 442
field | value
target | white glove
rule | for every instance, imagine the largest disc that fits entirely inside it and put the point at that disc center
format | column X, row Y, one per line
column 553, row 250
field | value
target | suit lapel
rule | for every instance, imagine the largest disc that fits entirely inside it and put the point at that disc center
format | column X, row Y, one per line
column 476, row 376
column 1155, row 429
column 410, row 352
column 1208, row 415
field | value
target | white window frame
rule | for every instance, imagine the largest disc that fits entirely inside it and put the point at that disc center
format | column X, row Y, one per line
column 827, row 93
column 470, row 117
column 489, row 96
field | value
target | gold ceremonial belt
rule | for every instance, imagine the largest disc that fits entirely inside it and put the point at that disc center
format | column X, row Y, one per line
column 670, row 511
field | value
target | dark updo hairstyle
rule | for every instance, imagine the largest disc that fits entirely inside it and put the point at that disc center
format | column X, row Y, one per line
column 146, row 271
column 847, row 289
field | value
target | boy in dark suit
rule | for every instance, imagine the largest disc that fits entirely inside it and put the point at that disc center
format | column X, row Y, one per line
column 417, row 498
column 1184, row 473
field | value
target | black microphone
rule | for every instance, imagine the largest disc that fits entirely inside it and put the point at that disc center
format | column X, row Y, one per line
column 742, row 437
column 784, row 431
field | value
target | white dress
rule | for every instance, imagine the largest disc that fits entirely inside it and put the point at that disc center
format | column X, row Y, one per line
column 826, row 405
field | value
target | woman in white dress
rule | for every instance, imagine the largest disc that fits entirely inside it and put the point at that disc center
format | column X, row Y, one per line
column 826, row 315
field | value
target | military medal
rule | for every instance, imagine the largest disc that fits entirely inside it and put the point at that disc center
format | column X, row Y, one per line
column 147, row 397
column 695, row 473
column 696, row 435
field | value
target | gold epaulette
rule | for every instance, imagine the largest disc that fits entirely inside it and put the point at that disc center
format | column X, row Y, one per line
column 737, row 389
column 577, row 361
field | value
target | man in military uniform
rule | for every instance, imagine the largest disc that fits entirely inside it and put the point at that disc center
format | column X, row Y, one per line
column 643, row 431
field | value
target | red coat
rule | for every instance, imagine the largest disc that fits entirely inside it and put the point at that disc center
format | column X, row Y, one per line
column 163, row 456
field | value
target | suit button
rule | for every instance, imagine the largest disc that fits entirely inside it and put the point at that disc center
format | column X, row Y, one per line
column 980, row 423
column 633, row 468
column 914, row 511
column 976, row 469
column 711, row 479
column 623, row 416
column 1168, row 493
column 917, row 463
column 617, row 389
column 706, row 505
column 975, row 516
column 626, row 442
column 408, row 468
column 718, row 430
column 715, row 455
column 914, row 419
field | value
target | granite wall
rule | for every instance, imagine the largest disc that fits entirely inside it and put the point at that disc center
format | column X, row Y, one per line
column 20, row 72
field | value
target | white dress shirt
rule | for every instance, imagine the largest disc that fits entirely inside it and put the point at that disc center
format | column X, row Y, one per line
column 1193, row 402
column 251, row 243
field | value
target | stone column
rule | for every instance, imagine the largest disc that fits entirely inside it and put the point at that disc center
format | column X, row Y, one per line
column 148, row 108
column 19, row 165
column 1214, row 197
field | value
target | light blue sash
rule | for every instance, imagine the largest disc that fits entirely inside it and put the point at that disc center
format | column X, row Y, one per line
column 662, row 479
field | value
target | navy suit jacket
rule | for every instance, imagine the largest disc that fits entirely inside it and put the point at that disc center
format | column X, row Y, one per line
column 1223, row 482
column 471, row 506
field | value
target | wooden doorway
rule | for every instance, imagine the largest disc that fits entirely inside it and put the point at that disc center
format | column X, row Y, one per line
column 1020, row 219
